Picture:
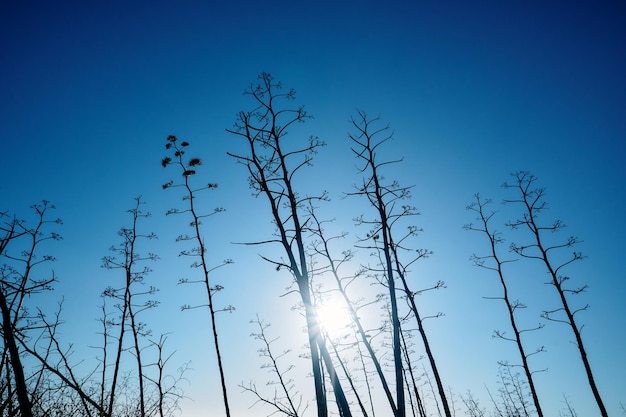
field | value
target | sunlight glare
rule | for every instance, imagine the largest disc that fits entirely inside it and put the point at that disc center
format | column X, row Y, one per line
column 333, row 316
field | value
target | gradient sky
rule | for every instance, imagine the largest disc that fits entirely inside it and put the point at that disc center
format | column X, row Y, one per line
column 473, row 91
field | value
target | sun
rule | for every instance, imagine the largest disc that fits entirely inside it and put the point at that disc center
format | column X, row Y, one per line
column 334, row 317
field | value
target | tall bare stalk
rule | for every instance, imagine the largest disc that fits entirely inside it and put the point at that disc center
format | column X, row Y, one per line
column 199, row 252
column 128, row 259
column 494, row 262
column 17, row 283
column 532, row 200
column 385, row 197
column 272, row 163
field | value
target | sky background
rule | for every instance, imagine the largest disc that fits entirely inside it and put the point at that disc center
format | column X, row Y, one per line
column 473, row 91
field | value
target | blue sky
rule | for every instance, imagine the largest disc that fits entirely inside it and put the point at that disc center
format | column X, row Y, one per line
column 473, row 91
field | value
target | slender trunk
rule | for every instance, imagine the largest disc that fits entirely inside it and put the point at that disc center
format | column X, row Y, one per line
column 431, row 358
column 493, row 240
column 71, row 383
column 522, row 352
column 370, row 350
column 270, row 176
column 397, row 353
column 376, row 194
column 313, row 333
column 568, row 312
column 340, row 396
column 418, row 397
column 319, row 351
column 429, row 353
column 577, row 335
column 349, row 378
column 355, row 318
column 218, row 353
column 391, row 283
column 209, row 291
column 319, row 343
column 298, row 268
column 142, row 400
column 14, row 356
column 105, row 336
column 130, row 262
column 118, row 355
column 304, row 283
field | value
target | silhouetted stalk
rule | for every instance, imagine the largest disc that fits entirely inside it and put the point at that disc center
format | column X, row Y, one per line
column 105, row 343
column 375, row 192
column 16, row 285
column 384, row 197
column 533, row 203
column 348, row 378
column 495, row 239
column 286, row 404
column 263, row 128
column 138, row 357
column 511, row 394
column 14, row 356
column 570, row 410
column 128, row 262
column 40, row 379
column 209, row 290
column 10, row 346
column 323, row 250
column 130, row 279
column 118, row 356
column 360, row 355
column 159, row 381
column 162, row 406
column 70, row 381
column 313, row 333
column 340, row 397
column 409, row 368
column 420, row 328
column 188, row 170
column 408, row 387
column 54, row 345
column 472, row 406
column 429, row 382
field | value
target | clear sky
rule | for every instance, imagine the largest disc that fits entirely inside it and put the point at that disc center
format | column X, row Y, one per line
column 473, row 91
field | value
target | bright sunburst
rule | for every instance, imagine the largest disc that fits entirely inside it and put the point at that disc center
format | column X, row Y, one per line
column 333, row 316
